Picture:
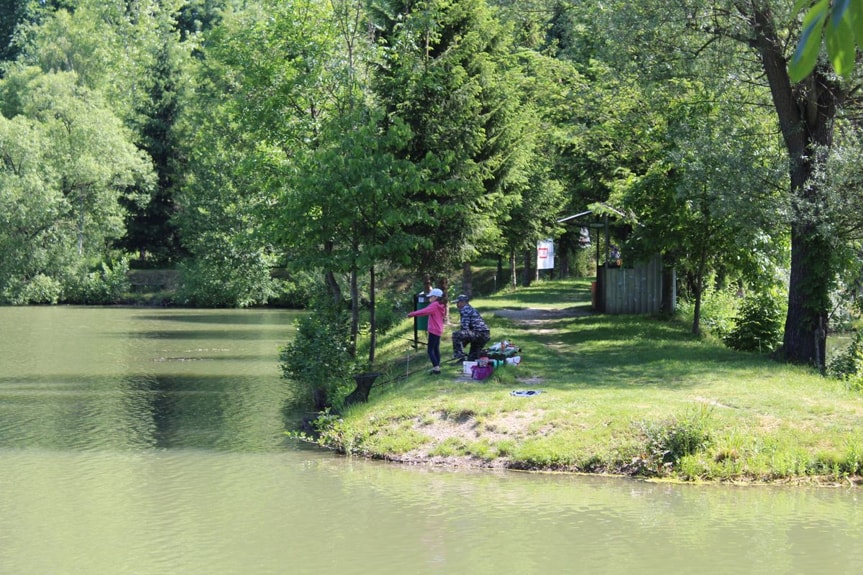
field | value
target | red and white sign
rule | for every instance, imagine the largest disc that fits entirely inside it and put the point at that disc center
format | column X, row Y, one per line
column 545, row 255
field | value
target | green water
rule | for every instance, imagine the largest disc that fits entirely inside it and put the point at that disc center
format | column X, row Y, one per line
column 136, row 441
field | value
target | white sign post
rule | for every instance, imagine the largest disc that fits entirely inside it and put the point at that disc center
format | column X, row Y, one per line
column 545, row 255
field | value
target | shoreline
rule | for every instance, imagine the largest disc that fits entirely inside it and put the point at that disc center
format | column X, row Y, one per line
column 618, row 392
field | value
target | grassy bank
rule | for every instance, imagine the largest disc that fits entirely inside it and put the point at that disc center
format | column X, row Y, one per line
column 619, row 395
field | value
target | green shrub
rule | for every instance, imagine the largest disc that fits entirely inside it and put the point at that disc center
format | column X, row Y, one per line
column 105, row 285
column 333, row 432
column 718, row 308
column 758, row 325
column 847, row 365
column 40, row 289
column 226, row 278
column 387, row 311
column 296, row 290
column 853, row 461
column 318, row 360
column 670, row 441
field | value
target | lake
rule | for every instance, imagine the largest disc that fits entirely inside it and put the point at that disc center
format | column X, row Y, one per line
column 151, row 441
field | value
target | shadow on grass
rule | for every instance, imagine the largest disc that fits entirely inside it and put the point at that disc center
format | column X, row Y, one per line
column 558, row 293
column 625, row 352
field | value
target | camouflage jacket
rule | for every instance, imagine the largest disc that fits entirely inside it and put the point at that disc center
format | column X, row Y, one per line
column 471, row 320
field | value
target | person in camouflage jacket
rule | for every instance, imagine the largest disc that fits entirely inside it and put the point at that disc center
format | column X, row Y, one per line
column 473, row 331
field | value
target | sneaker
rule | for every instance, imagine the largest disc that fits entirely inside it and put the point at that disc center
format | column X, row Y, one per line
column 435, row 371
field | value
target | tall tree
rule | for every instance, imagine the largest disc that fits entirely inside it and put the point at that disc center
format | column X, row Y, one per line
column 11, row 14
column 346, row 199
column 34, row 238
column 131, row 53
column 348, row 205
column 807, row 113
column 86, row 162
column 718, row 164
column 151, row 229
column 19, row 17
column 269, row 76
column 752, row 40
column 446, row 71
column 548, row 90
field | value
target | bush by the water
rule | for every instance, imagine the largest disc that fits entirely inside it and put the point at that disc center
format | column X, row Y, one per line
column 40, row 289
column 669, row 441
column 318, row 359
column 77, row 284
column 103, row 286
column 227, row 278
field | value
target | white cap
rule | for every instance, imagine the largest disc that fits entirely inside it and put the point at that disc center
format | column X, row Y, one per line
column 435, row 292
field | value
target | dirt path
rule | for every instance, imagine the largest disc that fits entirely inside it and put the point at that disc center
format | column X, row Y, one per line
column 465, row 428
column 536, row 316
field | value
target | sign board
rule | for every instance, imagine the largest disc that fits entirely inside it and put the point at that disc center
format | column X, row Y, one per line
column 545, row 255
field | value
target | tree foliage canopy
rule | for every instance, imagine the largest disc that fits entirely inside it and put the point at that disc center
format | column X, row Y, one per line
column 352, row 137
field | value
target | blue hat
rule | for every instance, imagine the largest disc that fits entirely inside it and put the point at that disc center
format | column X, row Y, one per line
column 435, row 292
column 461, row 298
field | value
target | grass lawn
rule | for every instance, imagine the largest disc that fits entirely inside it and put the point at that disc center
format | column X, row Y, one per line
column 626, row 395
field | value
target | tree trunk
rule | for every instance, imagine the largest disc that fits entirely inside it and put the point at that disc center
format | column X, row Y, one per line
column 564, row 254
column 331, row 281
column 355, row 314
column 360, row 394
column 467, row 278
column 806, row 112
column 444, row 287
column 808, row 298
column 373, row 336
column 666, row 306
column 526, row 272
column 81, row 224
column 698, row 288
column 320, row 401
column 696, row 313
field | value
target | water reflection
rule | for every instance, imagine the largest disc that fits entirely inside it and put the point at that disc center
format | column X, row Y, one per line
column 123, row 452
column 98, row 378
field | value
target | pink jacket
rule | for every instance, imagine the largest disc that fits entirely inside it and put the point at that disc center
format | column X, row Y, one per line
column 435, row 312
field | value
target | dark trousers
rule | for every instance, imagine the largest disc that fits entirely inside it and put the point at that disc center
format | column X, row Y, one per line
column 434, row 349
column 476, row 339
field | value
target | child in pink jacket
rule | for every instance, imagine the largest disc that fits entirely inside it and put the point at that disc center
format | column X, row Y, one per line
column 435, row 312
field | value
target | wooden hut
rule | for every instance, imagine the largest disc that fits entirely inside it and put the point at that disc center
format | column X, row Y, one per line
column 636, row 289
column 631, row 288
